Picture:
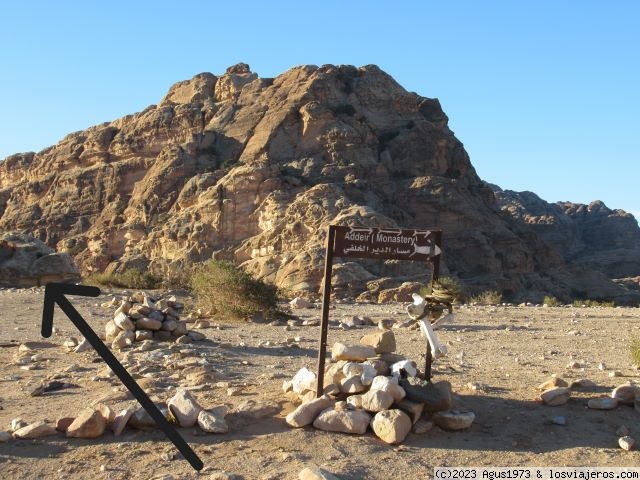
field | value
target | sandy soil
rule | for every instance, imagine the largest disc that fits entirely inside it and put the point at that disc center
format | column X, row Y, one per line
column 506, row 351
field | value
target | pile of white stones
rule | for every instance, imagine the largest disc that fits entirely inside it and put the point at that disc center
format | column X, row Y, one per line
column 365, row 386
column 141, row 317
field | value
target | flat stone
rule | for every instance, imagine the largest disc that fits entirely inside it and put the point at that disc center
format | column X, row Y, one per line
column 184, row 407
column 551, row 383
column 583, row 383
column 315, row 473
column 436, row 397
column 196, row 336
column 4, row 437
column 142, row 420
column 391, row 426
column 35, row 430
column 376, row 400
column 627, row 443
column 121, row 420
column 382, row 341
column 626, row 394
column 453, row 420
column 559, row 420
column 146, row 323
column 212, row 421
column 422, row 426
column 556, row 396
column 17, row 423
column 306, row 413
column 184, row 340
column 356, row 353
column 257, row 409
column 350, row 421
column 88, row 424
column 603, row 403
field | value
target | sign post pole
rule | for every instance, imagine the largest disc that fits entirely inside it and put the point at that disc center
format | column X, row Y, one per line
column 434, row 278
column 326, row 295
column 381, row 244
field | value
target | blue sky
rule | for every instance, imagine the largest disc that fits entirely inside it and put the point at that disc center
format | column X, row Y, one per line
column 544, row 95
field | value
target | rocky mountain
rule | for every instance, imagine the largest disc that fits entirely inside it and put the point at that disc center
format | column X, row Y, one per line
column 254, row 170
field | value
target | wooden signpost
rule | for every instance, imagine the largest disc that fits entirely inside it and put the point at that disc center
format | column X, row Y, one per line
column 380, row 243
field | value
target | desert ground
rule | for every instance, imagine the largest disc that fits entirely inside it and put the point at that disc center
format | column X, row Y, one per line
column 497, row 358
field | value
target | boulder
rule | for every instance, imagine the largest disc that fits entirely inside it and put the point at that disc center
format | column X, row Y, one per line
column 390, row 385
column 27, row 262
column 146, row 323
column 382, row 341
column 89, row 423
column 626, row 394
column 300, row 302
column 185, row 409
column 306, row 413
column 376, row 400
column 213, row 421
column 391, row 426
column 413, row 409
column 123, row 322
column 551, row 383
column 349, row 421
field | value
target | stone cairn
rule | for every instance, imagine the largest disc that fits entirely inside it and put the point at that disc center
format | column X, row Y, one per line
column 368, row 385
column 141, row 317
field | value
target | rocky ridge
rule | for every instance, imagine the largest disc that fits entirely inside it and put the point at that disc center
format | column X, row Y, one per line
column 254, row 170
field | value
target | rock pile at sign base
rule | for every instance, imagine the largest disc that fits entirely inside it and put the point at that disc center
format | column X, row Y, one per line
column 141, row 317
column 362, row 391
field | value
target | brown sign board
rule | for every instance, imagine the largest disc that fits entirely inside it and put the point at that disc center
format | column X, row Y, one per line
column 381, row 243
column 385, row 243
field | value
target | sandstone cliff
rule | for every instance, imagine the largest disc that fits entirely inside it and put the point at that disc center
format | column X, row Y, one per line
column 255, row 169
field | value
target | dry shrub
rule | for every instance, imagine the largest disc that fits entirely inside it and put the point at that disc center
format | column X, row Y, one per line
column 221, row 287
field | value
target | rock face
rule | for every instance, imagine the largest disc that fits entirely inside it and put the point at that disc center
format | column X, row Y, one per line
column 27, row 262
column 254, row 170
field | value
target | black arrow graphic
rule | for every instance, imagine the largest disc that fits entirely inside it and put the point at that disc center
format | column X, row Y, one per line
column 55, row 293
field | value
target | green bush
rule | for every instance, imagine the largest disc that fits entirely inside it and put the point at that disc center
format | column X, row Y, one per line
column 221, row 287
column 552, row 301
column 635, row 350
column 131, row 278
column 488, row 297
column 592, row 303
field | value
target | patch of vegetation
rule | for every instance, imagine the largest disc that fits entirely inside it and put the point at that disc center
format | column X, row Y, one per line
column 592, row 303
column 552, row 301
column 222, row 287
column 131, row 278
column 488, row 297
column 635, row 350
column 451, row 285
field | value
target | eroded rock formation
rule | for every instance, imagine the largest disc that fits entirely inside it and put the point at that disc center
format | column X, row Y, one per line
column 255, row 169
